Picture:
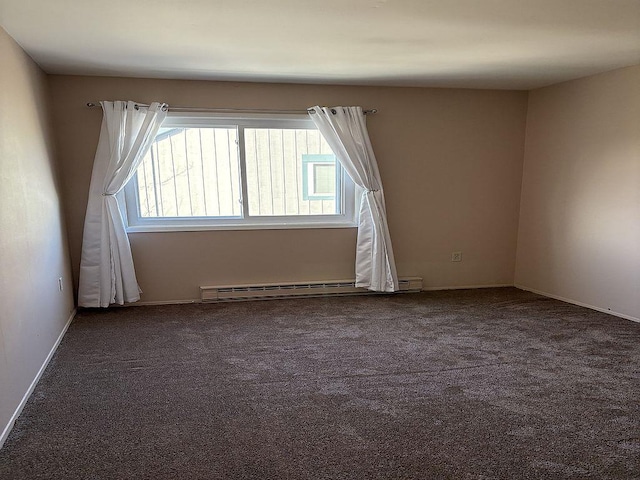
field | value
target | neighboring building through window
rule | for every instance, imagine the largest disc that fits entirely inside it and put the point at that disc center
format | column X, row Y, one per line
column 205, row 171
column 319, row 179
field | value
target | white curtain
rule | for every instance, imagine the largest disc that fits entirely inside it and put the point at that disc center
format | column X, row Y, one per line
column 345, row 131
column 107, row 274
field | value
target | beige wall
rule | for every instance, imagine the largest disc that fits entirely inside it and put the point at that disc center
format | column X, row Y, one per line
column 579, row 235
column 33, row 249
column 450, row 160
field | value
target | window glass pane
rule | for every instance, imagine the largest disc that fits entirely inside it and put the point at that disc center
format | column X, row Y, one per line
column 275, row 173
column 191, row 172
column 318, row 176
column 324, row 179
column 194, row 176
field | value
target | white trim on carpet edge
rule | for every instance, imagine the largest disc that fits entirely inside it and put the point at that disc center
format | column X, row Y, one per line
column 580, row 304
column 198, row 300
column 159, row 302
column 23, row 402
column 466, row 287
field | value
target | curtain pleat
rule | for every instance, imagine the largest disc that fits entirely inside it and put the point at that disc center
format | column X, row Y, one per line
column 345, row 131
column 107, row 273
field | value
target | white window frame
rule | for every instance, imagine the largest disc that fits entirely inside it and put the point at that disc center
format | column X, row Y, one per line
column 346, row 197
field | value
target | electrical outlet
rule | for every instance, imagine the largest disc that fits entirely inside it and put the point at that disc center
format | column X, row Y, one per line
column 60, row 283
column 456, row 257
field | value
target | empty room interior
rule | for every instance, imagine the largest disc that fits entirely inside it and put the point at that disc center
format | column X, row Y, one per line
column 368, row 239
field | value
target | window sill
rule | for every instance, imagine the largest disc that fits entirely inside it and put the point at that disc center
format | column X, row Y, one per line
column 243, row 226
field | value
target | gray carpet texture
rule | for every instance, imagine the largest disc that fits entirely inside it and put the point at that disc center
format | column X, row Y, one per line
column 472, row 384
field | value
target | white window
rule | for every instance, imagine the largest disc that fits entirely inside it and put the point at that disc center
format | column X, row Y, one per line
column 209, row 172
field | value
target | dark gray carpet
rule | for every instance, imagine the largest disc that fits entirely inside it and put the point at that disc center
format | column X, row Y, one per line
column 476, row 384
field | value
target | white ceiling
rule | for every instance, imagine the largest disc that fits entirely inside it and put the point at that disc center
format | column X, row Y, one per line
column 520, row 44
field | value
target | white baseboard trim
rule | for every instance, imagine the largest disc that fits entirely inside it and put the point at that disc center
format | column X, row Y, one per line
column 198, row 300
column 160, row 302
column 467, row 287
column 580, row 304
column 23, row 402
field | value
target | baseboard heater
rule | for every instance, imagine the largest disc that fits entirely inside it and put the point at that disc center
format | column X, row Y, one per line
column 229, row 293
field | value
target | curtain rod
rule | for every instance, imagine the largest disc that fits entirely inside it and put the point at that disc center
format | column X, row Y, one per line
column 227, row 110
